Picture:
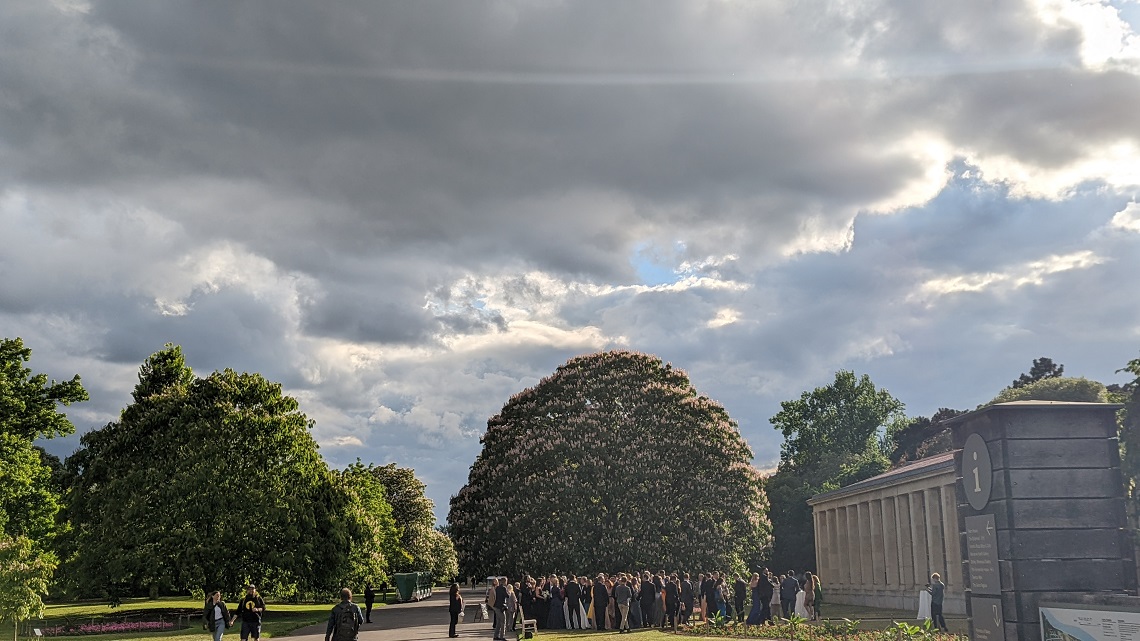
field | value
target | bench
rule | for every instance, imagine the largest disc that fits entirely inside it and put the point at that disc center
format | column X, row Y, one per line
column 523, row 626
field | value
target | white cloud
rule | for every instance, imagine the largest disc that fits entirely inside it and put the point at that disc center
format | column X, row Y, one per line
column 1030, row 273
column 1127, row 219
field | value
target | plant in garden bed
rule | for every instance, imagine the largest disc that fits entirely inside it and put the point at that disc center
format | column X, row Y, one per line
column 108, row 628
column 798, row 629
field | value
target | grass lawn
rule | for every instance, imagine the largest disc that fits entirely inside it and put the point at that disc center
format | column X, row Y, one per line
column 281, row 618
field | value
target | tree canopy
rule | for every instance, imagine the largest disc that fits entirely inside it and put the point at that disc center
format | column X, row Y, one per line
column 613, row 462
column 1041, row 369
column 1079, row 390
column 29, row 493
column 831, row 439
column 211, row 482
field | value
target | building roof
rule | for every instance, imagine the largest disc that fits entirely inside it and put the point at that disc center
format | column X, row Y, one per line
column 923, row 467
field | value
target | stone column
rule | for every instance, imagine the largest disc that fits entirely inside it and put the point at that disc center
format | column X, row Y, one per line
column 833, row 556
column 891, row 546
column 906, row 542
column 935, row 545
column 878, row 567
column 953, row 575
column 918, row 539
column 843, row 575
column 855, row 578
column 866, row 573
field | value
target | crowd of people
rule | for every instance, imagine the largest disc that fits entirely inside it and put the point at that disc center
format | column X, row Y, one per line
column 627, row 601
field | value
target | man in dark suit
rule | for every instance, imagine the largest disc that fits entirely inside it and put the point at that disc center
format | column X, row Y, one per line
column 708, row 592
column 766, row 589
column 601, row 601
column 687, row 598
column 647, row 597
column 739, row 591
column 501, row 610
column 672, row 600
column 789, row 588
column 573, row 598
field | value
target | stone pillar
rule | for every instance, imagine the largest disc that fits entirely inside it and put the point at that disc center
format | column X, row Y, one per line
column 833, row 557
column 891, row 546
column 953, row 574
column 936, row 547
column 906, row 542
column 1050, row 511
column 918, row 539
column 878, row 567
column 855, row 577
column 865, row 572
column 843, row 576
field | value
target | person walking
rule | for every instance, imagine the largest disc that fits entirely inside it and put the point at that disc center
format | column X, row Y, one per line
column 215, row 616
column 250, row 609
column 937, row 594
column 344, row 620
column 454, row 609
column 369, row 599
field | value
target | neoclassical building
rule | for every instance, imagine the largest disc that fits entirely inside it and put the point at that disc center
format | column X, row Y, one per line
column 878, row 541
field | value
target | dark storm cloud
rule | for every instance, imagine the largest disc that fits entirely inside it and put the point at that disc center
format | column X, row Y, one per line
column 407, row 212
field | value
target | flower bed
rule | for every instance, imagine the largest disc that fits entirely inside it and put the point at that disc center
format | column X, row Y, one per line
column 108, row 628
column 800, row 630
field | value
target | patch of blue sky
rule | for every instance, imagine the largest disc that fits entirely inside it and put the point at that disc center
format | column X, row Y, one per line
column 651, row 266
column 1129, row 11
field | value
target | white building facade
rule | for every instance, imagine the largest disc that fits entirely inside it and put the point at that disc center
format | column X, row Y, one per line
column 878, row 541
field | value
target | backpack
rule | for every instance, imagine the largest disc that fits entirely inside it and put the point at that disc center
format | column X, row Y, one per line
column 346, row 625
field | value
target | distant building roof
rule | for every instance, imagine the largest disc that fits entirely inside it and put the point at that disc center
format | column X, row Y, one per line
column 922, row 467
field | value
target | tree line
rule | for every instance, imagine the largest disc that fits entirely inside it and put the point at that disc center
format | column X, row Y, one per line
column 202, row 483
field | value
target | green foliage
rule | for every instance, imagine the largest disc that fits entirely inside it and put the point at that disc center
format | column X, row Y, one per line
column 1055, row 389
column 29, row 496
column 1043, row 368
column 910, row 439
column 830, row 440
column 209, row 482
column 613, row 462
column 1129, row 421
column 24, row 575
column 844, row 416
column 414, row 514
column 370, row 528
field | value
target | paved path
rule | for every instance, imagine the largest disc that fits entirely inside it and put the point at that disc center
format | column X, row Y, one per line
column 411, row 622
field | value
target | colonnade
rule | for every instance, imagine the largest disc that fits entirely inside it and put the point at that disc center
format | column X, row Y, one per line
column 877, row 542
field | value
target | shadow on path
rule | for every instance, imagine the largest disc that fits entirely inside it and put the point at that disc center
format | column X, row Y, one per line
column 412, row 622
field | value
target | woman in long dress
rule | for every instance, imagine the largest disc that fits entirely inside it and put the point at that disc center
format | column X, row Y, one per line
column 801, row 611
column 658, row 611
column 554, row 619
column 611, row 606
column 754, row 615
column 541, row 604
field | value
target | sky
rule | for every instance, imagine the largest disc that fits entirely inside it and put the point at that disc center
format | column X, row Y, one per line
column 406, row 212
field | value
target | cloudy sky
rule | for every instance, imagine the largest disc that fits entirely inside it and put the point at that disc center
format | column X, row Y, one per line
column 408, row 211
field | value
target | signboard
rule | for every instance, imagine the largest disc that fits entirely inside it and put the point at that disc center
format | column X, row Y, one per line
column 981, row 551
column 977, row 471
column 987, row 621
column 1060, row 622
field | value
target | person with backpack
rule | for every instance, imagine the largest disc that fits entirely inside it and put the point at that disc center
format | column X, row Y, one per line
column 344, row 620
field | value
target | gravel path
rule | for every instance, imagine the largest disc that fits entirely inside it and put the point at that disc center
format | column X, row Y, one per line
column 411, row 622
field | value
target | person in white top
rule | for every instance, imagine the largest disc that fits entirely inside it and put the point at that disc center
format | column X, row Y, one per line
column 215, row 616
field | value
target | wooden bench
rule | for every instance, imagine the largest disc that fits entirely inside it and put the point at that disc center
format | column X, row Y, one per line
column 522, row 626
